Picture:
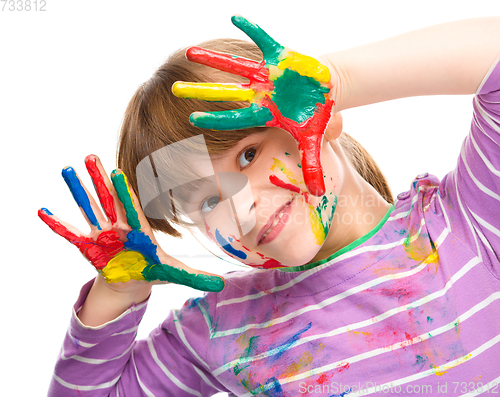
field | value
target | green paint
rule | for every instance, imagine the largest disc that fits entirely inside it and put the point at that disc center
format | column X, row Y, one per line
column 248, row 352
column 121, row 187
column 287, row 154
column 238, row 369
column 228, row 120
column 296, row 96
column 299, row 165
column 172, row 274
column 421, row 360
column 269, row 47
column 322, row 206
column 430, row 319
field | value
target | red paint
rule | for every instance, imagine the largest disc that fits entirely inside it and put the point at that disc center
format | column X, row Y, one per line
column 256, row 72
column 278, row 182
column 98, row 252
column 103, row 193
column 309, row 136
column 269, row 263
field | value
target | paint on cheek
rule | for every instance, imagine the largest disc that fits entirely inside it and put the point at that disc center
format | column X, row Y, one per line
column 320, row 220
column 226, row 246
column 278, row 182
column 280, row 165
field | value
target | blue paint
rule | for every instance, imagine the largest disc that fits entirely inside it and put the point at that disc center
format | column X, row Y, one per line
column 79, row 194
column 273, row 387
column 342, row 394
column 140, row 242
column 289, row 342
column 227, row 246
column 47, row 211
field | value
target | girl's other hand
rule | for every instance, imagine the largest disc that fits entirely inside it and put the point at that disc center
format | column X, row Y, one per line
column 121, row 245
column 286, row 90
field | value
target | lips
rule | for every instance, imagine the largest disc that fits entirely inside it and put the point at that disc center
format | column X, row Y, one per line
column 276, row 223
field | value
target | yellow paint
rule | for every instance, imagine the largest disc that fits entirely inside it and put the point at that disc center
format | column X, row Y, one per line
column 443, row 368
column 128, row 189
column 305, row 66
column 280, row 165
column 125, row 266
column 316, row 226
column 361, row 333
column 213, row 91
column 296, row 367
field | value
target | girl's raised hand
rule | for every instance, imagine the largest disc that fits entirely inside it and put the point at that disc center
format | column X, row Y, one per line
column 286, row 90
column 121, row 247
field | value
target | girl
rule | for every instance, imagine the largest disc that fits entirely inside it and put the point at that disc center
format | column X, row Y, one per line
column 351, row 294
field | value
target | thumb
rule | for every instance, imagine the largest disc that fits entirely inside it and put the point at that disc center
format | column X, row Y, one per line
column 174, row 271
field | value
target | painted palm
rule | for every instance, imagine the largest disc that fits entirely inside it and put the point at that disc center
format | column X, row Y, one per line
column 286, row 90
column 117, row 247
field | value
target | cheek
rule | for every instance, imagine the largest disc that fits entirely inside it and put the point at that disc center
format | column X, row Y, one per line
column 235, row 248
column 321, row 216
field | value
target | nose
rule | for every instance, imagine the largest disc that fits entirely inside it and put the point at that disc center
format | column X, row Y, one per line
column 235, row 187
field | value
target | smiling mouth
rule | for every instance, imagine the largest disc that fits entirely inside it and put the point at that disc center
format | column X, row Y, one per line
column 275, row 224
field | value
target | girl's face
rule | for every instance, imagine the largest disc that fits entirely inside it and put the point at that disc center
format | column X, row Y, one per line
column 259, row 211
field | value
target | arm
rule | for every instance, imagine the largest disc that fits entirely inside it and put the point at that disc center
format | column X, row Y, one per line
column 121, row 246
column 450, row 58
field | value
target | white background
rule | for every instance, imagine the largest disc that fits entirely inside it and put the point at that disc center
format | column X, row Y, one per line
column 66, row 76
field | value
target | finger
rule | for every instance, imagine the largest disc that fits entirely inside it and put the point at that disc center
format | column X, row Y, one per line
column 270, row 48
column 82, row 198
column 63, row 229
column 253, row 116
column 122, row 188
column 305, row 66
column 171, row 274
column 310, row 151
column 252, row 70
column 102, row 186
column 140, row 261
column 213, row 91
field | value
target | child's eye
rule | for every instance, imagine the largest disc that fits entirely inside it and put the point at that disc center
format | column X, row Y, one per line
column 209, row 204
column 246, row 157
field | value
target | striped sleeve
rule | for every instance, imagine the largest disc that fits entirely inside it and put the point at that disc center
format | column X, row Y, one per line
column 92, row 359
column 472, row 191
column 107, row 361
column 173, row 361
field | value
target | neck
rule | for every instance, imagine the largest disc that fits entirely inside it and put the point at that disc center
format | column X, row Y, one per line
column 359, row 209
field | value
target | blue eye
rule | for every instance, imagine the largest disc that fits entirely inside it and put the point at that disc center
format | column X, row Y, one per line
column 246, row 157
column 209, row 204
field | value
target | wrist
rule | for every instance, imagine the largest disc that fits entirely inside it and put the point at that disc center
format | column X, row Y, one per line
column 339, row 78
column 105, row 302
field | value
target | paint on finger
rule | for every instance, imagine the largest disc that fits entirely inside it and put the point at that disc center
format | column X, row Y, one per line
column 80, row 195
column 105, row 197
column 120, row 183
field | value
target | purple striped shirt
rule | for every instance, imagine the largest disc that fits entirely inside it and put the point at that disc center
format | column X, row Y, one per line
column 412, row 309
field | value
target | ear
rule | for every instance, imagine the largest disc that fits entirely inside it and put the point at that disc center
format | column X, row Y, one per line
column 334, row 128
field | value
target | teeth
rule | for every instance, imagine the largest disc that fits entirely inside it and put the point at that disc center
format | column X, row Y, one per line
column 275, row 222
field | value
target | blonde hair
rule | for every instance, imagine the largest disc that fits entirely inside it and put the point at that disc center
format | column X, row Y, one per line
column 156, row 118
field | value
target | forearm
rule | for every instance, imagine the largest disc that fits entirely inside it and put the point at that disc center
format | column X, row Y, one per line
column 446, row 59
column 104, row 304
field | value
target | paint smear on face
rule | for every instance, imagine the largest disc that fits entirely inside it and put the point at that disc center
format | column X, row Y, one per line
column 320, row 219
column 226, row 246
column 281, row 166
